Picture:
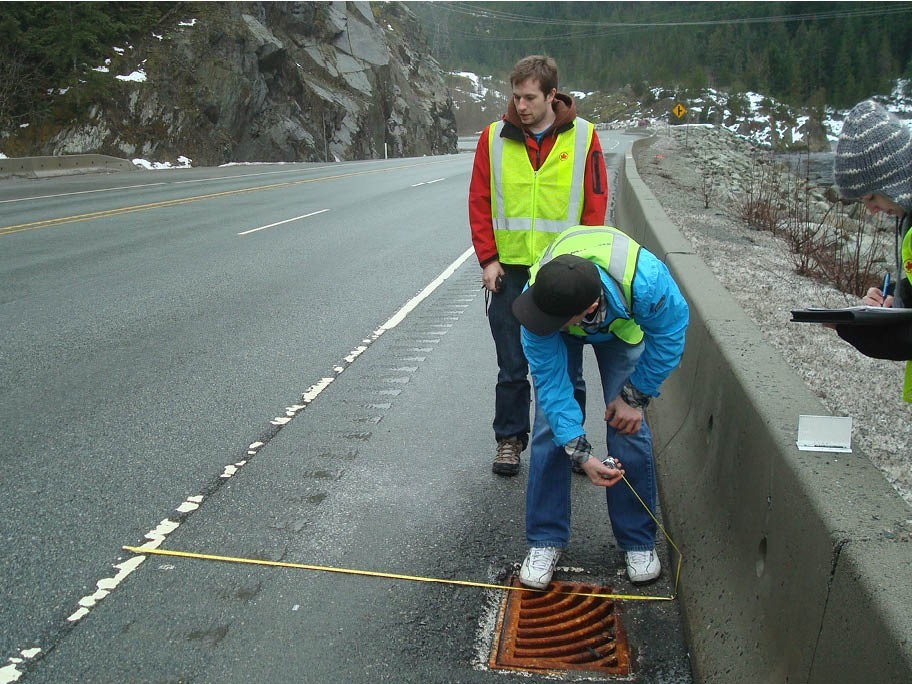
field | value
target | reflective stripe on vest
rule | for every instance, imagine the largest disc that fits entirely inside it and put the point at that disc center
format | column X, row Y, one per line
column 529, row 207
column 907, row 269
column 616, row 253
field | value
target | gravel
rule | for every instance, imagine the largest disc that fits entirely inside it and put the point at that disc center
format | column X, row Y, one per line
column 848, row 384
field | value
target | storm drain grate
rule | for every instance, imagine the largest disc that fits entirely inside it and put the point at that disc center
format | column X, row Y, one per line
column 559, row 631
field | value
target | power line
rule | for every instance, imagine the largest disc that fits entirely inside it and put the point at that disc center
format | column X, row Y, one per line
column 469, row 36
column 867, row 10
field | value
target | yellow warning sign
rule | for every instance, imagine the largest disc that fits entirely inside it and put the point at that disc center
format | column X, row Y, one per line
column 679, row 110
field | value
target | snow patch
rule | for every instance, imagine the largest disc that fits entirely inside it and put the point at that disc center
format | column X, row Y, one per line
column 136, row 77
column 182, row 163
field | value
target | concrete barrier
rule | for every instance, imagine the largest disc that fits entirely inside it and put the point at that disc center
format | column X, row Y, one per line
column 39, row 167
column 794, row 571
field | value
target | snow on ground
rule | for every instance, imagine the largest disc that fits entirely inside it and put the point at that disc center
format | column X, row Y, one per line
column 479, row 90
column 182, row 163
column 136, row 76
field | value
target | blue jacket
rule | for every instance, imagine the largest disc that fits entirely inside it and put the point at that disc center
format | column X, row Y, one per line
column 658, row 308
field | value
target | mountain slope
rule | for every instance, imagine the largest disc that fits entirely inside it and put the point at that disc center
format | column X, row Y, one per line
column 305, row 81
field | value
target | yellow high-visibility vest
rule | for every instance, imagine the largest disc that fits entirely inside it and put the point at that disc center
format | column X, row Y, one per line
column 616, row 253
column 530, row 207
column 907, row 269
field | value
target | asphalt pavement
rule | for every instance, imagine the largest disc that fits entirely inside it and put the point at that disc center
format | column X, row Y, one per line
column 385, row 469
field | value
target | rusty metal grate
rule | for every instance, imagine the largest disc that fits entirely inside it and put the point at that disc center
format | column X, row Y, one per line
column 555, row 630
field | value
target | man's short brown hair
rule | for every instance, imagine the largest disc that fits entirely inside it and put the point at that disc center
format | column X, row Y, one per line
column 538, row 67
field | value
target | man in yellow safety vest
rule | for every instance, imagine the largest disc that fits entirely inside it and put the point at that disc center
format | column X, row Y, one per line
column 537, row 171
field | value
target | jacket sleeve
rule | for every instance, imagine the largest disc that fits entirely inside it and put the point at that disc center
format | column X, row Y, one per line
column 662, row 312
column 890, row 342
column 480, row 221
column 547, row 358
column 595, row 195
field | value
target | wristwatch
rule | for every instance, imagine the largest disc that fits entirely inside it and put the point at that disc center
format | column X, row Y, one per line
column 633, row 397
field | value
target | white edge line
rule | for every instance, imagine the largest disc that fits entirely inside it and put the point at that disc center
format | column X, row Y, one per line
column 182, row 182
column 80, row 192
column 279, row 223
column 400, row 315
column 195, row 180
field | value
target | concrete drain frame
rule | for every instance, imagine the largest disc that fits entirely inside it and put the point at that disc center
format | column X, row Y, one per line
column 557, row 631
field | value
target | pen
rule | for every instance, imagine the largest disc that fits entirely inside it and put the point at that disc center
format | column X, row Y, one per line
column 886, row 284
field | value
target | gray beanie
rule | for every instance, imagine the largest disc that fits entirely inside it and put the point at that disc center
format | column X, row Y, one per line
column 874, row 155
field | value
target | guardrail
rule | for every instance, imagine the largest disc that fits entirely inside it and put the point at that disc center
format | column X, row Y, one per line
column 39, row 167
column 790, row 572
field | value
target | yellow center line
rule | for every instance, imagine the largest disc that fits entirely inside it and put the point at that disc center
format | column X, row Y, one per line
column 8, row 230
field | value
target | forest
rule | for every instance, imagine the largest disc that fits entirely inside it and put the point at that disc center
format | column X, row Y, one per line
column 802, row 53
column 48, row 45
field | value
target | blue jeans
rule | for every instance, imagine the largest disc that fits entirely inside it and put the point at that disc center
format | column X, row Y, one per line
column 548, row 491
column 512, row 395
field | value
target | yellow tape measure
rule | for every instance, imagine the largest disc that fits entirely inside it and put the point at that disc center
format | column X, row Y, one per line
column 413, row 578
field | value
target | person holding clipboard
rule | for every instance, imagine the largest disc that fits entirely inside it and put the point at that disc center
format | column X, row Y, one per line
column 874, row 165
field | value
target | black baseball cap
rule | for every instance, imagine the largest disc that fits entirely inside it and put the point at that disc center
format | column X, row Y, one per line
column 564, row 287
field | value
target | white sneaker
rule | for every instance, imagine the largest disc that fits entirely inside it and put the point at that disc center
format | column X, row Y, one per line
column 538, row 567
column 643, row 566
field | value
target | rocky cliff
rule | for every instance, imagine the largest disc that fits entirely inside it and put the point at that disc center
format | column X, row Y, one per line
column 268, row 81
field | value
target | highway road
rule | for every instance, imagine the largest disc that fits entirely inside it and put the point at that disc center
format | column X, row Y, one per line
column 285, row 362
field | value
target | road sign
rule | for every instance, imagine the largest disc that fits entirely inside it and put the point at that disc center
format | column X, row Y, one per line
column 679, row 110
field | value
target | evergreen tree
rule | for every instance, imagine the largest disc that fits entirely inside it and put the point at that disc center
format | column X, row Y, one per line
column 48, row 45
column 886, row 67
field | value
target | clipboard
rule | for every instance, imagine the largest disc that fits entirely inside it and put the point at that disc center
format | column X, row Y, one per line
column 853, row 315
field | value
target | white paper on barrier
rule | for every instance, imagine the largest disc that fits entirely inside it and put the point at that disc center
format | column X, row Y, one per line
column 825, row 433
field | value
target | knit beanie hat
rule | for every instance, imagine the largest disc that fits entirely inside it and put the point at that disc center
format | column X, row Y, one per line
column 874, row 155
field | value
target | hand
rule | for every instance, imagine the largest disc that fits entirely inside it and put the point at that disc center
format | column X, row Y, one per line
column 602, row 475
column 490, row 274
column 875, row 297
column 623, row 418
